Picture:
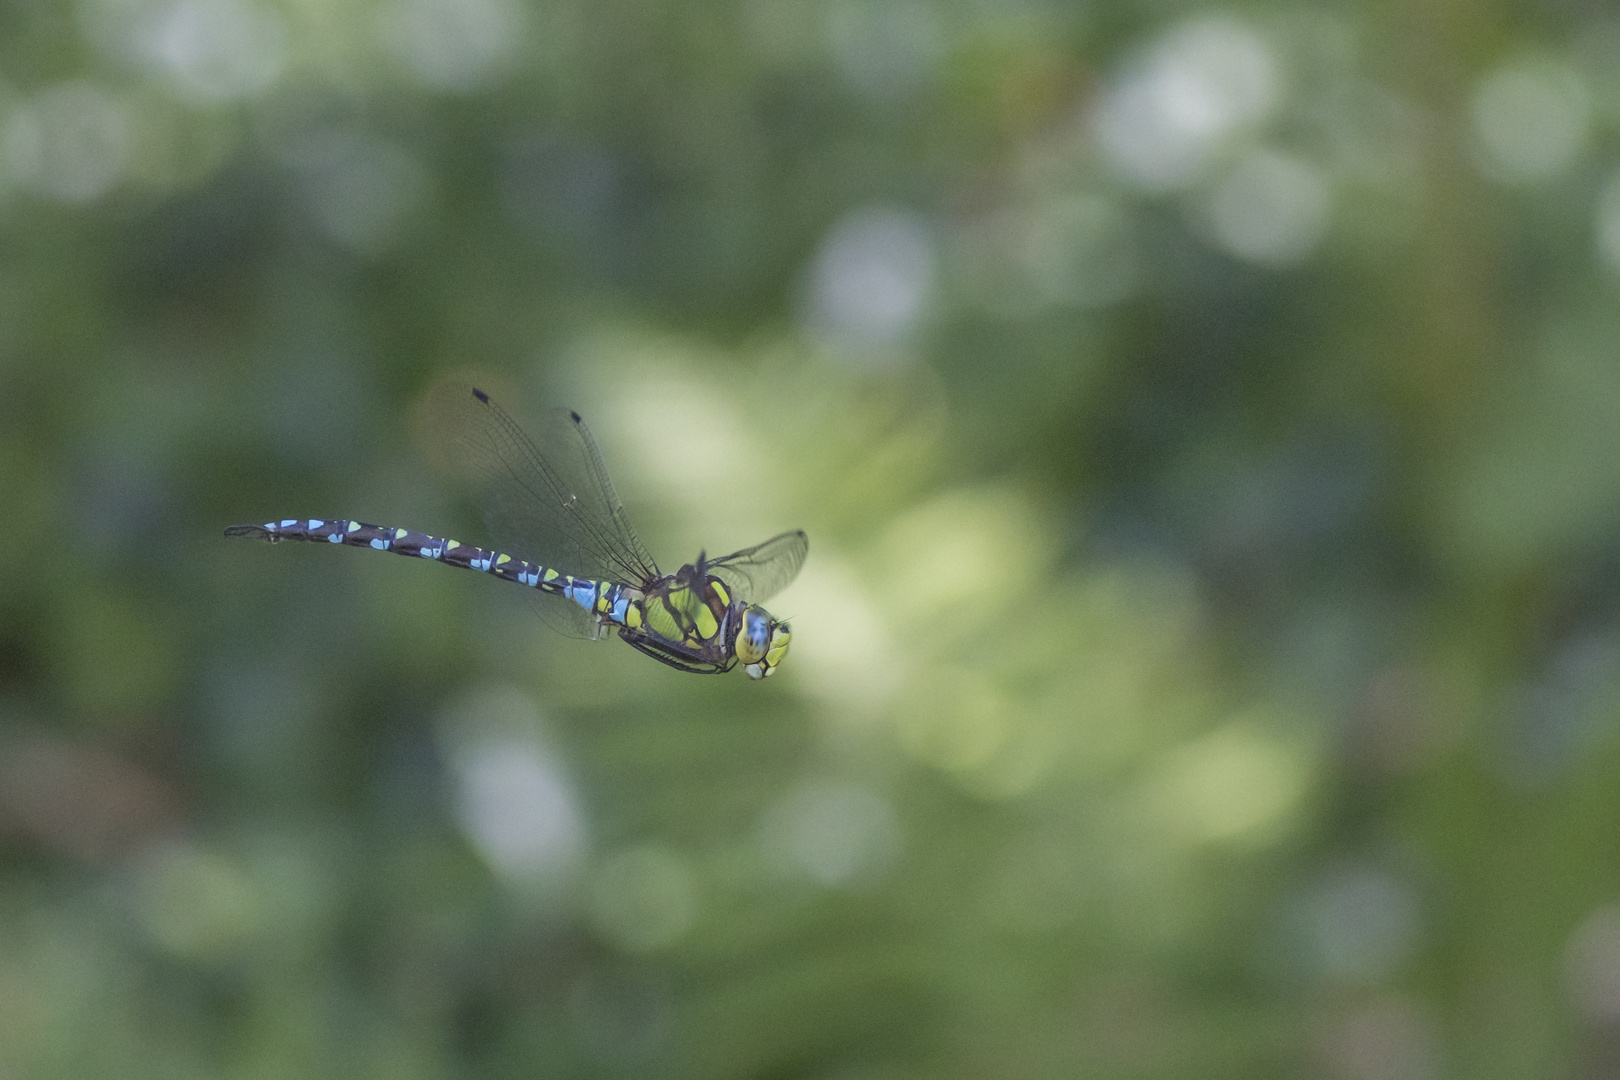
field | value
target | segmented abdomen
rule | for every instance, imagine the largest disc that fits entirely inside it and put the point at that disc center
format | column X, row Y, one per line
column 611, row 601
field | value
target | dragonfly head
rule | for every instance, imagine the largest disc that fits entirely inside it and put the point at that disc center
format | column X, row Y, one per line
column 762, row 642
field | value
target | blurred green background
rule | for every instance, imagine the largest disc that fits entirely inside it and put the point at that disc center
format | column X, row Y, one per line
column 1205, row 421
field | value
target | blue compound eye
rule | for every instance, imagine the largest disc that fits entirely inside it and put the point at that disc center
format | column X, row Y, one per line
column 755, row 636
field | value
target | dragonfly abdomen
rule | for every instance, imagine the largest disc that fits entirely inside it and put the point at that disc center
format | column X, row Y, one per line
column 610, row 601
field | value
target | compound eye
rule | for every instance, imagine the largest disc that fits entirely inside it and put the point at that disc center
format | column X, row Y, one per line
column 753, row 639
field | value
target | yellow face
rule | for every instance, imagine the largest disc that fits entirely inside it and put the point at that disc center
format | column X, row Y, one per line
column 762, row 642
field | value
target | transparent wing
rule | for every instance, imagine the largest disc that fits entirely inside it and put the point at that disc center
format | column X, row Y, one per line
column 545, row 499
column 564, row 616
column 758, row 573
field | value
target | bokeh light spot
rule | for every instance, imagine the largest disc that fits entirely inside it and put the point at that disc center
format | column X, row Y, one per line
column 1271, row 208
column 453, row 45
column 1607, row 226
column 871, row 279
column 853, row 668
column 886, row 49
column 217, row 50
column 69, row 143
column 360, row 187
column 1592, row 965
column 720, row 451
column 643, row 898
column 195, row 902
column 834, row 833
column 1531, row 119
column 1360, row 924
column 1168, row 114
column 934, row 556
column 513, row 796
column 1232, row 782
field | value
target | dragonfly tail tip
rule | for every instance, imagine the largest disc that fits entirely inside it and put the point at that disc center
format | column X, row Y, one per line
column 480, row 395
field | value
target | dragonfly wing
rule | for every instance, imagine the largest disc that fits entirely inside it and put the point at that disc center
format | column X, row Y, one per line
column 546, row 499
column 758, row 573
column 564, row 616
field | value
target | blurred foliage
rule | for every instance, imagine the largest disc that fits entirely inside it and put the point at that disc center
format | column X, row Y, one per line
column 1205, row 420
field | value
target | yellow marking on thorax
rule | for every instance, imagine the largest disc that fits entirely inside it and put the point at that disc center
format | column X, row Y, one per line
column 661, row 621
column 720, row 591
column 705, row 622
column 602, row 605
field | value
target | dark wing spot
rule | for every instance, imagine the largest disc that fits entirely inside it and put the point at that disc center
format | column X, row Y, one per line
column 575, row 416
column 480, row 395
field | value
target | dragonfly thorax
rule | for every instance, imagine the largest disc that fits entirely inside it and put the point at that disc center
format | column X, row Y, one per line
column 692, row 620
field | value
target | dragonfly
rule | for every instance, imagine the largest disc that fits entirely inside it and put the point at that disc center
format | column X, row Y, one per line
column 562, row 531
